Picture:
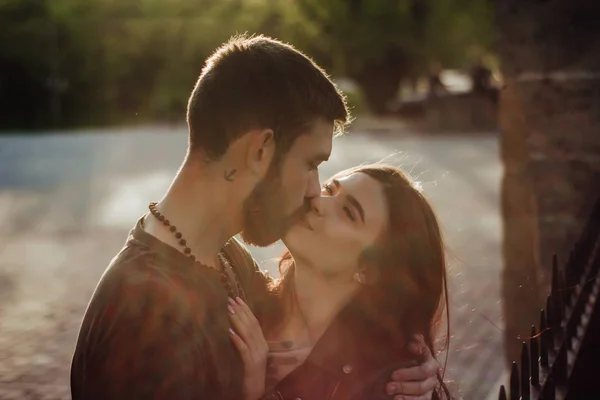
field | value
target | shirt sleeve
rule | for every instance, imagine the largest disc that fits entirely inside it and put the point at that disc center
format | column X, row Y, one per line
column 143, row 349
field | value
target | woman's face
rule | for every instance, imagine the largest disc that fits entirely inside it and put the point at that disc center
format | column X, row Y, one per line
column 347, row 219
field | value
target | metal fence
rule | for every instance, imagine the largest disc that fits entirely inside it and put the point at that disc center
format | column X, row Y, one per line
column 562, row 358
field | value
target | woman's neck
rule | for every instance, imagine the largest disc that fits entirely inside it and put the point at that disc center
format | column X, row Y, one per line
column 319, row 299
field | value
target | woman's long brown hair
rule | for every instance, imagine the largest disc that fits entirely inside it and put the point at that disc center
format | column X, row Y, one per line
column 407, row 265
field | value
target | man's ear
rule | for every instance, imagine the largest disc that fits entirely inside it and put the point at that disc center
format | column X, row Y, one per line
column 261, row 150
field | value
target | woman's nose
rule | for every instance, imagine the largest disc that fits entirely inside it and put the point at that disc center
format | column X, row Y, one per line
column 316, row 205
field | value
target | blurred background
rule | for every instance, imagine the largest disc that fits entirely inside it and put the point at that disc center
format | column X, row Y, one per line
column 92, row 128
column 101, row 62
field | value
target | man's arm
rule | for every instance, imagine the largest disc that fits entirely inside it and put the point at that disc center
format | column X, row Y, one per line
column 150, row 367
column 142, row 349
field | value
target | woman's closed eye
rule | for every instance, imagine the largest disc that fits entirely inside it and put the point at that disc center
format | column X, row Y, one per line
column 329, row 189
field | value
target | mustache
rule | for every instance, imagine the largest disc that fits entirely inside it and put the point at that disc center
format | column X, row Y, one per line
column 296, row 215
column 301, row 211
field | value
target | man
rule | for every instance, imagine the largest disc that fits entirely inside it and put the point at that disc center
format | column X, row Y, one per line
column 261, row 119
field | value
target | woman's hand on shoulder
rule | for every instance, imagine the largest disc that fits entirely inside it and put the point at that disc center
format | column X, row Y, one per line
column 248, row 338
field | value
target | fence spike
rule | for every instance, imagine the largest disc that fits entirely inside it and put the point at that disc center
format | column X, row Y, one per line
column 551, row 323
column 525, row 372
column 595, row 267
column 554, row 273
column 559, row 367
column 568, row 343
column 571, row 260
column 549, row 392
column 502, row 394
column 543, row 340
column 575, row 317
column 557, row 293
column 534, row 357
column 571, row 281
column 514, row 382
column 577, row 265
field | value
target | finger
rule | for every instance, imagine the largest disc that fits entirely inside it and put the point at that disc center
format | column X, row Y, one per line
column 257, row 347
column 254, row 326
column 251, row 334
column 240, row 312
column 414, row 388
column 247, row 311
column 240, row 325
column 239, row 344
column 249, row 328
column 417, row 373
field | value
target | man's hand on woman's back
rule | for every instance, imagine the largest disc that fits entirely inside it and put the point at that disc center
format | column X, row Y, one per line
column 418, row 382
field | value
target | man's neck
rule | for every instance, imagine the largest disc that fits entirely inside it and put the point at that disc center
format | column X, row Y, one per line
column 319, row 299
column 201, row 206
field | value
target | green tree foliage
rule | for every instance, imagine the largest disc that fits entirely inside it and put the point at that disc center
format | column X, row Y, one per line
column 73, row 62
column 378, row 43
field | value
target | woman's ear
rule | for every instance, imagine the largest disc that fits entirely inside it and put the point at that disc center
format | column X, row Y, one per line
column 370, row 275
column 369, row 266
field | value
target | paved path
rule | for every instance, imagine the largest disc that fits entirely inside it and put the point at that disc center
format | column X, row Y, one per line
column 67, row 202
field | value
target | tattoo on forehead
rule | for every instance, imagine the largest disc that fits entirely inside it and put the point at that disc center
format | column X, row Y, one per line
column 229, row 175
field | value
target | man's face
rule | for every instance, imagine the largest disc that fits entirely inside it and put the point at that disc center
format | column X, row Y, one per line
column 282, row 197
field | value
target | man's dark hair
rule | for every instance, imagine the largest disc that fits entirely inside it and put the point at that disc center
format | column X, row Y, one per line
column 259, row 82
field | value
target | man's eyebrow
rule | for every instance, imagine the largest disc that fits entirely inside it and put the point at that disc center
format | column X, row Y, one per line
column 355, row 203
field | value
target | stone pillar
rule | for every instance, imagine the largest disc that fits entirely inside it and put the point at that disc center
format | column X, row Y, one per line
column 549, row 116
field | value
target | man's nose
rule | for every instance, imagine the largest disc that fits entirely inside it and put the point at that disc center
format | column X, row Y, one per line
column 313, row 188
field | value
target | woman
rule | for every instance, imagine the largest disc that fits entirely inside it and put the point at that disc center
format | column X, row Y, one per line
column 365, row 267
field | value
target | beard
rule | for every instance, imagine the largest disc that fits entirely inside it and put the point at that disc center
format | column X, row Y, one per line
column 265, row 221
